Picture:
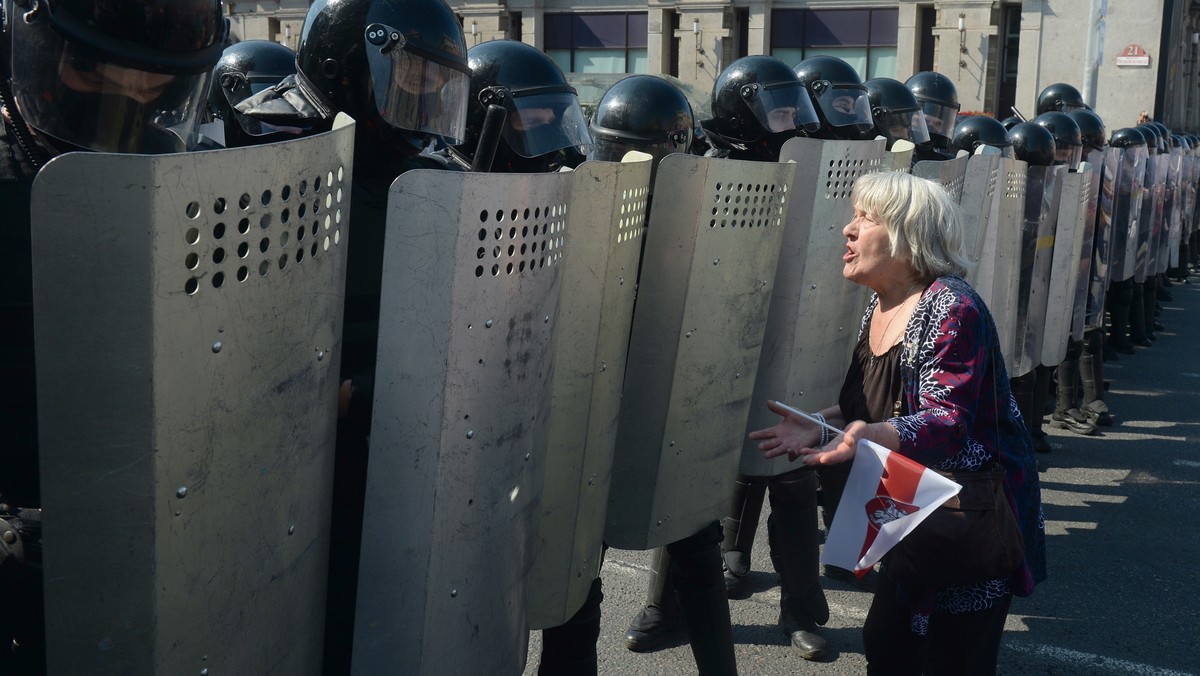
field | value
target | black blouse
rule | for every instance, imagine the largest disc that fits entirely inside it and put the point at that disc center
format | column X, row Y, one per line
column 872, row 389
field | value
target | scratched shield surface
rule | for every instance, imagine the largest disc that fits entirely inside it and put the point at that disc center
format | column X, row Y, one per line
column 1096, row 286
column 1127, row 210
column 983, row 181
column 1150, row 206
column 468, row 312
column 609, row 202
column 707, row 270
column 1066, row 258
column 950, row 174
column 189, row 330
column 815, row 311
column 1043, row 190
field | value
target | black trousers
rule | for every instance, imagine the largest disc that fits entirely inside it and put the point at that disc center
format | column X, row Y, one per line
column 963, row 644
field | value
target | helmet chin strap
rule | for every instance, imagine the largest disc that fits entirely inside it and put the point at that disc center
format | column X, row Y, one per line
column 35, row 153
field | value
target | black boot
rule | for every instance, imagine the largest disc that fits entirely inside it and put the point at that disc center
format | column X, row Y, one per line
column 795, row 553
column 1149, row 298
column 1120, row 294
column 658, row 621
column 703, row 604
column 1066, row 415
column 740, row 526
column 1091, row 374
column 570, row 648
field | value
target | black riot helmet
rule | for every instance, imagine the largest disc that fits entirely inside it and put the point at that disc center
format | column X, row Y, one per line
column 544, row 124
column 838, row 96
column 1164, row 135
column 644, row 113
column 1127, row 137
column 245, row 69
column 895, row 111
column 975, row 131
column 1153, row 143
column 1010, row 121
column 398, row 67
column 118, row 76
column 1033, row 143
column 1060, row 97
column 1068, row 141
column 1091, row 128
column 939, row 101
column 758, row 104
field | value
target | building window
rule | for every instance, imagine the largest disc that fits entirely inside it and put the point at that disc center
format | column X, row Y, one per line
column 864, row 38
column 598, row 43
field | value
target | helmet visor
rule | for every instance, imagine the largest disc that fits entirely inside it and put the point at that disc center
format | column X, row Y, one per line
column 611, row 150
column 907, row 125
column 1068, row 106
column 939, row 119
column 84, row 98
column 236, row 88
column 419, row 94
column 846, row 106
column 1068, row 155
column 545, row 122
column 783, row 107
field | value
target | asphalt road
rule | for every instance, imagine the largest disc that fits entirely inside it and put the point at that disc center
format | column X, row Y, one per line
column 1122, row 511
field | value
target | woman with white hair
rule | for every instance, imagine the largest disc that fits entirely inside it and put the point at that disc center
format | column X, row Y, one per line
column 926, row 380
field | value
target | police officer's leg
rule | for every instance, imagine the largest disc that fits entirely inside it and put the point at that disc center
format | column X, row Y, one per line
column 1120, row 295
column 795, row 552
column 1149, row 300
column 740, row 526
column 1137, row 316
column 703, row 604
column 570, row 648
column 1023, row 388
column 659, row 618
column 1066, row 413
column 1091, row 374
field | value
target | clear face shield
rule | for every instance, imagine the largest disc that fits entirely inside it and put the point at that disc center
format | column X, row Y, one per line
column 608, row 147
column 1066, row 107
column 781, row 107
column 415, row 90
column 908, row 125
column 939, row 119
column 1068, row 155
column 84, row 98
column 542, row 122
column 844, row 105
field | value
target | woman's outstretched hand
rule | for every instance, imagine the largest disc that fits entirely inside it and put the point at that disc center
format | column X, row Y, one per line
column 789, row 436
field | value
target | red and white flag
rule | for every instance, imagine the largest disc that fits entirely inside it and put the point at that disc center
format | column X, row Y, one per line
column 886, row 496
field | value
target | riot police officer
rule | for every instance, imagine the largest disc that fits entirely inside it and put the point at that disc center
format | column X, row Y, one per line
column 758, row 103
column 115, row 77
column 1033, row 144
column 1060, row 97
column 939, row 103
column 1121, row 291
column 1068, row 144
column 977, row 131
column 245, row 69
column 838, row 96
column 895, row 112
column 399, row 68
column 642, row 113
column 543, row 127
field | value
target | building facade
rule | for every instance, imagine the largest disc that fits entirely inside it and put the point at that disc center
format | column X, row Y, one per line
column 1126, row 56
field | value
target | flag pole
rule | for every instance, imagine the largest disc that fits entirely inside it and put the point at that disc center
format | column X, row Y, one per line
column 809, row 418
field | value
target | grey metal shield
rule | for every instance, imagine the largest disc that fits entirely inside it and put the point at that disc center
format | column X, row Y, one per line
column 706, row 277
column 1103, row 239
column 1066, row 259
column 950, row 174
column 595, row 313
column 1089, row 205
column 815, row 312
column 1043, row 190
column 982, row 181
column 1150, row 205
column 1127, row 210
column 999, row 272
column 468, row 310
column 189, row 331
column 1169, row 250
column 899, row 158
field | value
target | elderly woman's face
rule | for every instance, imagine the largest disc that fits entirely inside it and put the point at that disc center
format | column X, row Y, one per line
column 868, row 259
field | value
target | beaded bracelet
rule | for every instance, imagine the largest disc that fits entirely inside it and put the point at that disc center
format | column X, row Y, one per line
column 826, row 435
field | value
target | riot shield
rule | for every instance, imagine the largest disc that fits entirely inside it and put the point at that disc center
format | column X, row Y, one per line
column 708, row 267
column 1043, row 190
column 899, row 158
column 1103, row 240
column 980, row 184
column 1066, row 259
column 998, row 272
column 950, row 174
column 189, row 315
column 1173, row 228
column 815, row 312
column 1089, row 206
column 609, row 201
column 468, row 310
column 1151, row 203
column 1127, row 211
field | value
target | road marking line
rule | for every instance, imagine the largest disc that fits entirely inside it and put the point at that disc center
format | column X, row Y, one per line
column 1075, row 657
column 1188, row 463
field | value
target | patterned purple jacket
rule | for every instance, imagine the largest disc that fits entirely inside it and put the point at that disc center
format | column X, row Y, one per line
column 964, row 415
